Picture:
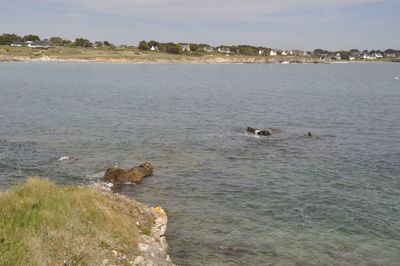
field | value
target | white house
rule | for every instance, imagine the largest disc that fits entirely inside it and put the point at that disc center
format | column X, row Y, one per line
column 273, row 53
column 261, row 52
column 41, row 45
column 17, row 44
column 352, row 58
column 284, row 52
column 154, row 48
column 224, row 50
column 185, row 47
column 368, row 57
column 378, row 55
column 208, row 49
column 338, row 56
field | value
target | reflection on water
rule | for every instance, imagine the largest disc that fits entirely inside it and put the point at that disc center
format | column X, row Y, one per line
column 232, row 197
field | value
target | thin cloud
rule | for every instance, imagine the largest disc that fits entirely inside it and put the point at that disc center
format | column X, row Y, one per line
column 205, row 9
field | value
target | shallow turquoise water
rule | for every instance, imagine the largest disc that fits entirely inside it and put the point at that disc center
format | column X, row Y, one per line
column 232, row 198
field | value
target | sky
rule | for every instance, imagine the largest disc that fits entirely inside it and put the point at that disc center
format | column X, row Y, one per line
column 286, row 24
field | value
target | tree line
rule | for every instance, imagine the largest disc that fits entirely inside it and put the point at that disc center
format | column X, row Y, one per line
column 8, row 38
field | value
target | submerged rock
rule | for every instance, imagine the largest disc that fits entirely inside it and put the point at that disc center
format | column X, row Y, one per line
column 263, row 132
column 118, row 175
column 259, row 132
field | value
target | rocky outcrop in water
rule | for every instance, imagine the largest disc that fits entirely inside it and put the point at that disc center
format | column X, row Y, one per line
column 263, row 132
column 118, row 175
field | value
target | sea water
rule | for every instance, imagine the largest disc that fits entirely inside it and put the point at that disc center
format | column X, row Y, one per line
column 232, row 198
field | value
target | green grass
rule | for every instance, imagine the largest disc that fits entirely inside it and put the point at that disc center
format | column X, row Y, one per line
column 45, row 224
column 145, row 231
column 128, row 55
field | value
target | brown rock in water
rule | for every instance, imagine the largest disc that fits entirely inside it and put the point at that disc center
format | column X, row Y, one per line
column 117, row 175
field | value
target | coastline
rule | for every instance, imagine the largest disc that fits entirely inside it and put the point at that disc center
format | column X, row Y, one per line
column 137, row 56
column 161, row 60
column 188, row 60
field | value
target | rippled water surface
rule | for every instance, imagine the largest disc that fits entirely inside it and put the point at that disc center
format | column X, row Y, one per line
column 232, row 198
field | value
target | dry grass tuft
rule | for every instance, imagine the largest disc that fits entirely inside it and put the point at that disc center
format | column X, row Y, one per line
column 45, row 224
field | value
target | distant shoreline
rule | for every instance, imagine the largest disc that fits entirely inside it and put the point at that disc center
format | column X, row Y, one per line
column 137, row 56
column 161, row 60
column 199, row 60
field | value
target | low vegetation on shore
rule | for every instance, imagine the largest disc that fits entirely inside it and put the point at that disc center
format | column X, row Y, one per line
column 31, row 48
column 42, row 223
column 135, row 55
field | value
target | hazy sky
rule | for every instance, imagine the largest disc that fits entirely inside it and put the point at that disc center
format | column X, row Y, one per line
column 288, row 24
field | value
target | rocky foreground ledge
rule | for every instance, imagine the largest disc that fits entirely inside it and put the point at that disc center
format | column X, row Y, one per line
column 42, row 223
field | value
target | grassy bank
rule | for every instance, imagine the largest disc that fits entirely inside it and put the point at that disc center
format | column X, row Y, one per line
column 45, row 224
column 134, row 55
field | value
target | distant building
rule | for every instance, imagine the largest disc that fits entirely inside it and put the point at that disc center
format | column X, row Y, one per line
column 208, row 49
column 185, row 47
column 367, row 56
column 41, row 45
column 352, row 58
column 378, row 55
column 273, row 53
column 154, row 48
column 261, row 52
column 284, row 52
column 391, row 55
column 338, row 56
column 17, row 44
column 223, row 50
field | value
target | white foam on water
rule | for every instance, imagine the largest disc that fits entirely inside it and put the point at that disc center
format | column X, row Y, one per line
column 130, row 183
column 63, row 158
column 95, row 176
column 250, row 135
column 110, row 185
column 102, row 185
